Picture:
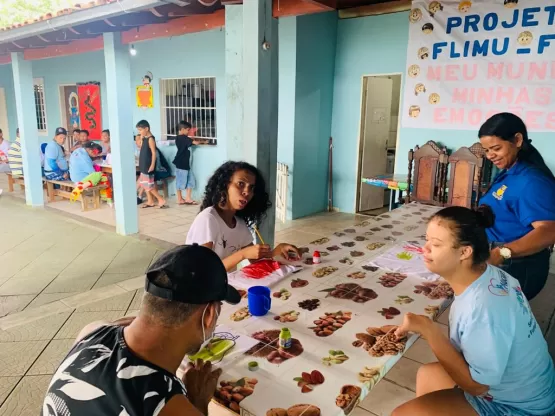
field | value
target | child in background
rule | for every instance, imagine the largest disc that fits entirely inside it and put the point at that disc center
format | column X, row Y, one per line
column 147, row 166
column 184, row 178
column 83, row 138
column 105, row 139
column 235, row 199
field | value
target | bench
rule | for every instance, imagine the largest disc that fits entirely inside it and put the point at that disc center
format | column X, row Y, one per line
column 90, row 197
column 15, row 180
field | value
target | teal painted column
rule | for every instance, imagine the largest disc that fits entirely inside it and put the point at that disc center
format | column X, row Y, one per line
column 27, row 122
column 118, row 87
column 234, row 81
column 260, row 98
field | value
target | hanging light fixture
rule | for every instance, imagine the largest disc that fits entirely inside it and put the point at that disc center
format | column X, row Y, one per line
column 132, row 50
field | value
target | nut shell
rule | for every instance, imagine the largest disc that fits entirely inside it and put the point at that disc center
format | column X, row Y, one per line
column 304, row 410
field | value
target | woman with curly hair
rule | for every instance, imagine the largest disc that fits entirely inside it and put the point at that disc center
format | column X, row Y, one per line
column 234, row 200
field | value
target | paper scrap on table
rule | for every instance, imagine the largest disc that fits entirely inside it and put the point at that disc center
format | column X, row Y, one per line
column 241, row 279
column 406, row 258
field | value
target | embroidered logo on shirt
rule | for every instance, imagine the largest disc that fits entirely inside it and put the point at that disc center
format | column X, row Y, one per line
column 499, row 288
column 500, row 192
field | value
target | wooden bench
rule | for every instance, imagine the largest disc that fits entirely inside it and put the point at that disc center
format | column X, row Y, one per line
column 15, row 180
column 90, row 197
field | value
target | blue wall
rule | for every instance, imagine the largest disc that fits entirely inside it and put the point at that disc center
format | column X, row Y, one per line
column 192, row 55
column 6, row 82
column 69, row 70
column 370, row 46
column 316, row 41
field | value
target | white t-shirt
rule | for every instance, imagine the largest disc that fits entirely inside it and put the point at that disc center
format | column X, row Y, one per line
column 208, row 227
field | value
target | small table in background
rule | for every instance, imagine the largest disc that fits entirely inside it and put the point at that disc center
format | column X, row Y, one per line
column 393, row 182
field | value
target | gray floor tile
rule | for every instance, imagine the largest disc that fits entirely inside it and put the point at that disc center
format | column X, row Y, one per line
column 27, row 398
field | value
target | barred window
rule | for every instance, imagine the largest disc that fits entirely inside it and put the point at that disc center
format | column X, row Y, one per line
column 192, row 100
column 40, row 105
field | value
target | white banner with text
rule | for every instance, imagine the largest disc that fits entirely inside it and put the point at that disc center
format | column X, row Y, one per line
column 469, row 60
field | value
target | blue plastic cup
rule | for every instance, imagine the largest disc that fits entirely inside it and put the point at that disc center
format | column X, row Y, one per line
column 259, row 300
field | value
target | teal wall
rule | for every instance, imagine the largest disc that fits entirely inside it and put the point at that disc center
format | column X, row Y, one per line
column 316, row 41
column 69, row 70
column 193, row 55
column 6, row 82
column 370, row 46
column 306, row 70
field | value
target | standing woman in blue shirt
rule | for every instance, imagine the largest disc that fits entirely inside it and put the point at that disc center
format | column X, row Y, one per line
column 522, row 197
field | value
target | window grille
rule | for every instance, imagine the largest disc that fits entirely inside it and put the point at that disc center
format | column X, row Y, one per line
column 40, row 105
column 192, row 100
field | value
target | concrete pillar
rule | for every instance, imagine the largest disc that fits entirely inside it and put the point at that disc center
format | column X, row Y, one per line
column 118, row 87
column 260, row 98
column 234, row 81
column 27, row 123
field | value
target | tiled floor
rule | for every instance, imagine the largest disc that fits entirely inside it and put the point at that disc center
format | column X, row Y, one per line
column 63, row 274
column 171, row 225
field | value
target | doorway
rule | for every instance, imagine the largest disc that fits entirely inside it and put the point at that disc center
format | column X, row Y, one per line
column 69, row 110
column 381, row 96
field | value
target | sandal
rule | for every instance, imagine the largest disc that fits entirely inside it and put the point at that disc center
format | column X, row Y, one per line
column 191, row 203
column 162, row 207
column 147, row 206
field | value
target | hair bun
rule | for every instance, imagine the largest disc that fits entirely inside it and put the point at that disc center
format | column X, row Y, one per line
column 485, row 216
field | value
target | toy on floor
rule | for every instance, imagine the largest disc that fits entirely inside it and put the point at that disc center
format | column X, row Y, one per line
column 94, row 179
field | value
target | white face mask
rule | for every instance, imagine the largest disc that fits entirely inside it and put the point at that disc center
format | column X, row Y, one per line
column 206, row 339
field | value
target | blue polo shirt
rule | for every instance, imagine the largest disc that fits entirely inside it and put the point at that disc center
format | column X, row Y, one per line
column 519, row 196
column 54, row 158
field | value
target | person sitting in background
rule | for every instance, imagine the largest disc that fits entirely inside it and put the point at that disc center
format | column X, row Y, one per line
column 128, row 367
column 234, row 200
column 83, row 138
column 4, row 149
column 495, row 360
column 105, row 139
column 55, row 163
column 14, row 156
column 81, row 161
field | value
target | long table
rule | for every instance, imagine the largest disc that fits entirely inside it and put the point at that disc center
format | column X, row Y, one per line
column 346, row 341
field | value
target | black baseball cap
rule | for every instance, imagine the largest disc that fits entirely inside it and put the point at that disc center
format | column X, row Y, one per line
column 60, row 130
column 197, row 276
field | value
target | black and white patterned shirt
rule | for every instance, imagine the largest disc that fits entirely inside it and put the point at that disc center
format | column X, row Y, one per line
column 101, row 376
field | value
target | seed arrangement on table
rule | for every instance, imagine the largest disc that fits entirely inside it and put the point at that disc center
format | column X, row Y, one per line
column 339, row 310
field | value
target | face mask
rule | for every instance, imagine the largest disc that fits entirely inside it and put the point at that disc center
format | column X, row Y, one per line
column 206, row 339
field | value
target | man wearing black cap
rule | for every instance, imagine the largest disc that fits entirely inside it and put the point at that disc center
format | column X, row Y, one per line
column 55, row 163
column 128, row 367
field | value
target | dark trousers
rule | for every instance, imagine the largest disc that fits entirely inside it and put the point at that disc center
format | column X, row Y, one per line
column 530, row 271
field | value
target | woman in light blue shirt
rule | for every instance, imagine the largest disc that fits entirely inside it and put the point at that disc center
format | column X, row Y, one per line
column 496, row 360
column 80, row 162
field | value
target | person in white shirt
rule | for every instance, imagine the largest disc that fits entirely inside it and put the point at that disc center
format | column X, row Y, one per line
column 235, row 199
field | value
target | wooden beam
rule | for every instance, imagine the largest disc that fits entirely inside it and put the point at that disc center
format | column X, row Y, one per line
column 327, row 4
column 75, row 47
column 283, row 8
column 376, row 9
column 5, row 59
column 175, row 27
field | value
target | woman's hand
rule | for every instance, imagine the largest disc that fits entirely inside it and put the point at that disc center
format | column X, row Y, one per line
column 419, row 324
column 201, row 381
column 257, row 252
column 287, row 251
